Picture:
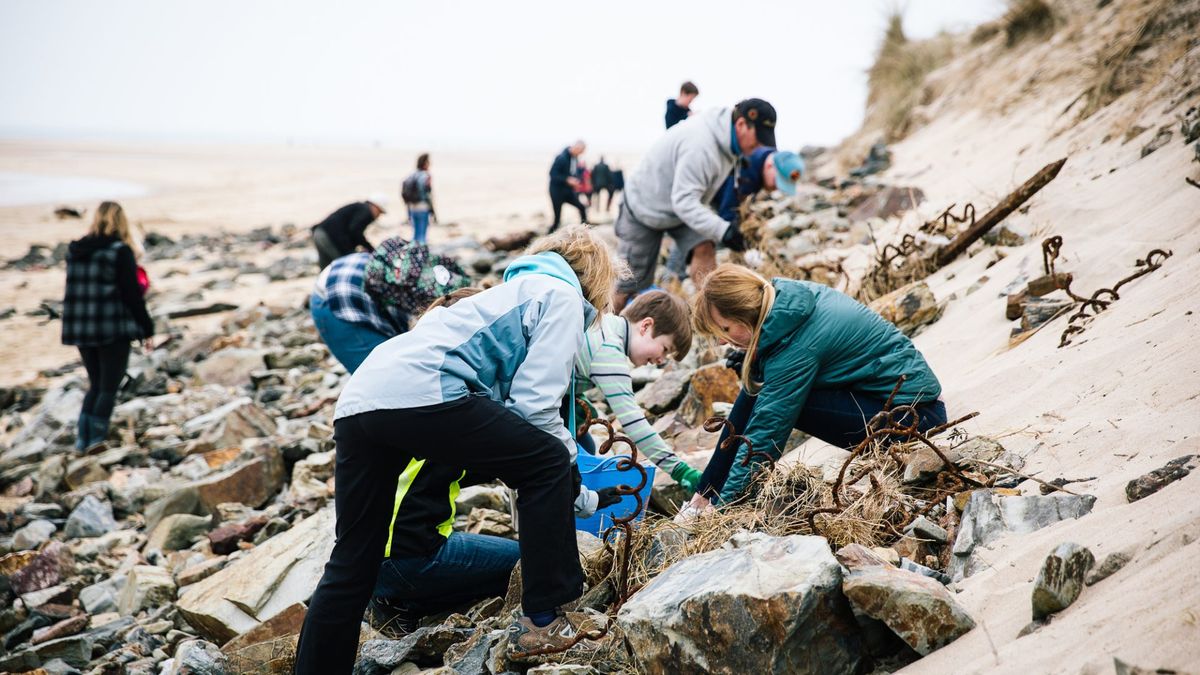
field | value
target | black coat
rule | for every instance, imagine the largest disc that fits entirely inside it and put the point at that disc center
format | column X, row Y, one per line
column 560, row 171
column 103, row 303
column 347, row 225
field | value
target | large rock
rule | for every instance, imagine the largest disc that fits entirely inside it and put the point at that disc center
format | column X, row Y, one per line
column 425, row 647
column 889, row 201
column 102, row 597
column 269, row 640
column 664, row 393
column 230, row 367
column 271, row 578
column 481, row 496
column 50, row 566
column 91, row 518
column 197, row 657
column 768, row 605
column 310, row 477
column 231, row 423
column 252, row 483
column 33, row 535
column 146, row 587
column 177, row 531
column 710, row 384
column 916, row 608
column 989, row 515
column 909, row 307
column 1061, row 579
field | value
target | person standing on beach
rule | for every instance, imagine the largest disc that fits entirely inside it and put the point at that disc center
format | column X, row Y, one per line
column 103, row 311
column 602, row 182
column 417, row 193
column 679, row 109
column 672, row 190
column 342, row 232
column 564, row 182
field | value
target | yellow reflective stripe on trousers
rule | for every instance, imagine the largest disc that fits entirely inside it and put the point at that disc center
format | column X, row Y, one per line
column 447, row 526
column 406, row 480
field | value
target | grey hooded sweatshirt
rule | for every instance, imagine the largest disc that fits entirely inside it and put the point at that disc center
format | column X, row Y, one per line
column 682, row 172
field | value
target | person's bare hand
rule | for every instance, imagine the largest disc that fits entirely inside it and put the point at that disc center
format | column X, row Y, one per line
column 573, row 182
column 148, row 345
column 700, row 503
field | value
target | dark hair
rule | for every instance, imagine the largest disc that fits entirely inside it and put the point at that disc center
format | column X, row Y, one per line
column 451, row 298
column 423, row 161
column 689, row 88
column 671, row 317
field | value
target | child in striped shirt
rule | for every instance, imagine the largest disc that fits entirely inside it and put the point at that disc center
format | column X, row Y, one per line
column 652, row 328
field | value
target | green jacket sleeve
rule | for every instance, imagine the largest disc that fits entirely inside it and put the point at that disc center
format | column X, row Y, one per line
column 786, row 383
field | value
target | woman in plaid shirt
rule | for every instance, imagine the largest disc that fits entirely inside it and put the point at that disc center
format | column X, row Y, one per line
column 103, row 312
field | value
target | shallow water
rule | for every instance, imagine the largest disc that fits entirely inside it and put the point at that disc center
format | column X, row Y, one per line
column 17, row 189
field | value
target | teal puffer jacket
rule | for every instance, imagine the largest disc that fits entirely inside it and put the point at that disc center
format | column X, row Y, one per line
column 816, row 337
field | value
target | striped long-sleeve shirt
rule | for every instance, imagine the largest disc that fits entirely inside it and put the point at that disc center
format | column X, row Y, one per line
column 604, row 362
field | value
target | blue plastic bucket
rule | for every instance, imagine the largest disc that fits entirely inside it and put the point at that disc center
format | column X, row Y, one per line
column 599, row 471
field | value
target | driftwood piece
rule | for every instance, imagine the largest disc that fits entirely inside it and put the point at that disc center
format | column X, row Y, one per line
column 990, row 219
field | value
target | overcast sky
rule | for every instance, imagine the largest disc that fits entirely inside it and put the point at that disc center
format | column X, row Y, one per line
column 438, row 75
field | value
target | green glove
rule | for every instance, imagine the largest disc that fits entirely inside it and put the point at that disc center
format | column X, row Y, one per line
column 686, row 476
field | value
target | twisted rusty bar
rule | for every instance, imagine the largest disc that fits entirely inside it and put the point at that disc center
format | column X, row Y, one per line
column 714, row 424
column 1103, row 297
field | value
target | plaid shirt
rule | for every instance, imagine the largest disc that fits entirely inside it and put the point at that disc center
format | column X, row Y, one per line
column 341, row 284
column 94, row 312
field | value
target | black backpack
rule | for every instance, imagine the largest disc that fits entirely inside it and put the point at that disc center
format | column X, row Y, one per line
column 410, row 189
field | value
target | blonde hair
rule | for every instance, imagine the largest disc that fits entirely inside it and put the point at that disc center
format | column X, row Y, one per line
column 590, row 259
column 737, row 294
column 110, row 221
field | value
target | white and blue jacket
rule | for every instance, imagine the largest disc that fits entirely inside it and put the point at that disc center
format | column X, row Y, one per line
column 515, row 343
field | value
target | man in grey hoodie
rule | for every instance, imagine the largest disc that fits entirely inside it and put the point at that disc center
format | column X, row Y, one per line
column 671, row 191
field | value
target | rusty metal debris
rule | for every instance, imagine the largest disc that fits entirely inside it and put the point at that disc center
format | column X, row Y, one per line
column 730, row 444
column 998, row 213
column 941, row 223
column 1102, row 297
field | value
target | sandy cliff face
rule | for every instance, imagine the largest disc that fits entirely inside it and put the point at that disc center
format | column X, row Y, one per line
column 1124, row 398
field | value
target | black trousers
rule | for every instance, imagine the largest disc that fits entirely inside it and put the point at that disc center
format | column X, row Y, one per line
column 475, row 434
column 570, row 197
column 105, row 367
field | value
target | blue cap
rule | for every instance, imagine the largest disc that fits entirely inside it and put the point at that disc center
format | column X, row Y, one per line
column 789, row 167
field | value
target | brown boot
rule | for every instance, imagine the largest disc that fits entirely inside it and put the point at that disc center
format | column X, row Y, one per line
column 526, row 639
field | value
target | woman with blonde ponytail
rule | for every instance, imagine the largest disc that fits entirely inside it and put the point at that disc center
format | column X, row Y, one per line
column 816, row 360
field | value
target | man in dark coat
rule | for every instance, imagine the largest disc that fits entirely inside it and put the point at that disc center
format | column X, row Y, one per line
column 342, row 232
column 564, row 183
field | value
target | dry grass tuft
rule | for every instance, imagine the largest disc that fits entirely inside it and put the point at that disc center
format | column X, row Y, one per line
column 895, row 82
column 1150, row 42
column 1026, row 19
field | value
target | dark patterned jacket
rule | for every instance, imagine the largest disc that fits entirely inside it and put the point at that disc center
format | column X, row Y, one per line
column 103, row 303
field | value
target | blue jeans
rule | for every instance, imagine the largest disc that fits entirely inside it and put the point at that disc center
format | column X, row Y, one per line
column 420, row 223
column 836, row 416
column 350, row 343
column 468, row 568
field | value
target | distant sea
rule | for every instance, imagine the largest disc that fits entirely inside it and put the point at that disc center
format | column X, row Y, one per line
column 19, row 189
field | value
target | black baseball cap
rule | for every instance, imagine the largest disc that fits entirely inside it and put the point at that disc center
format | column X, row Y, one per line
column 762, row 115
